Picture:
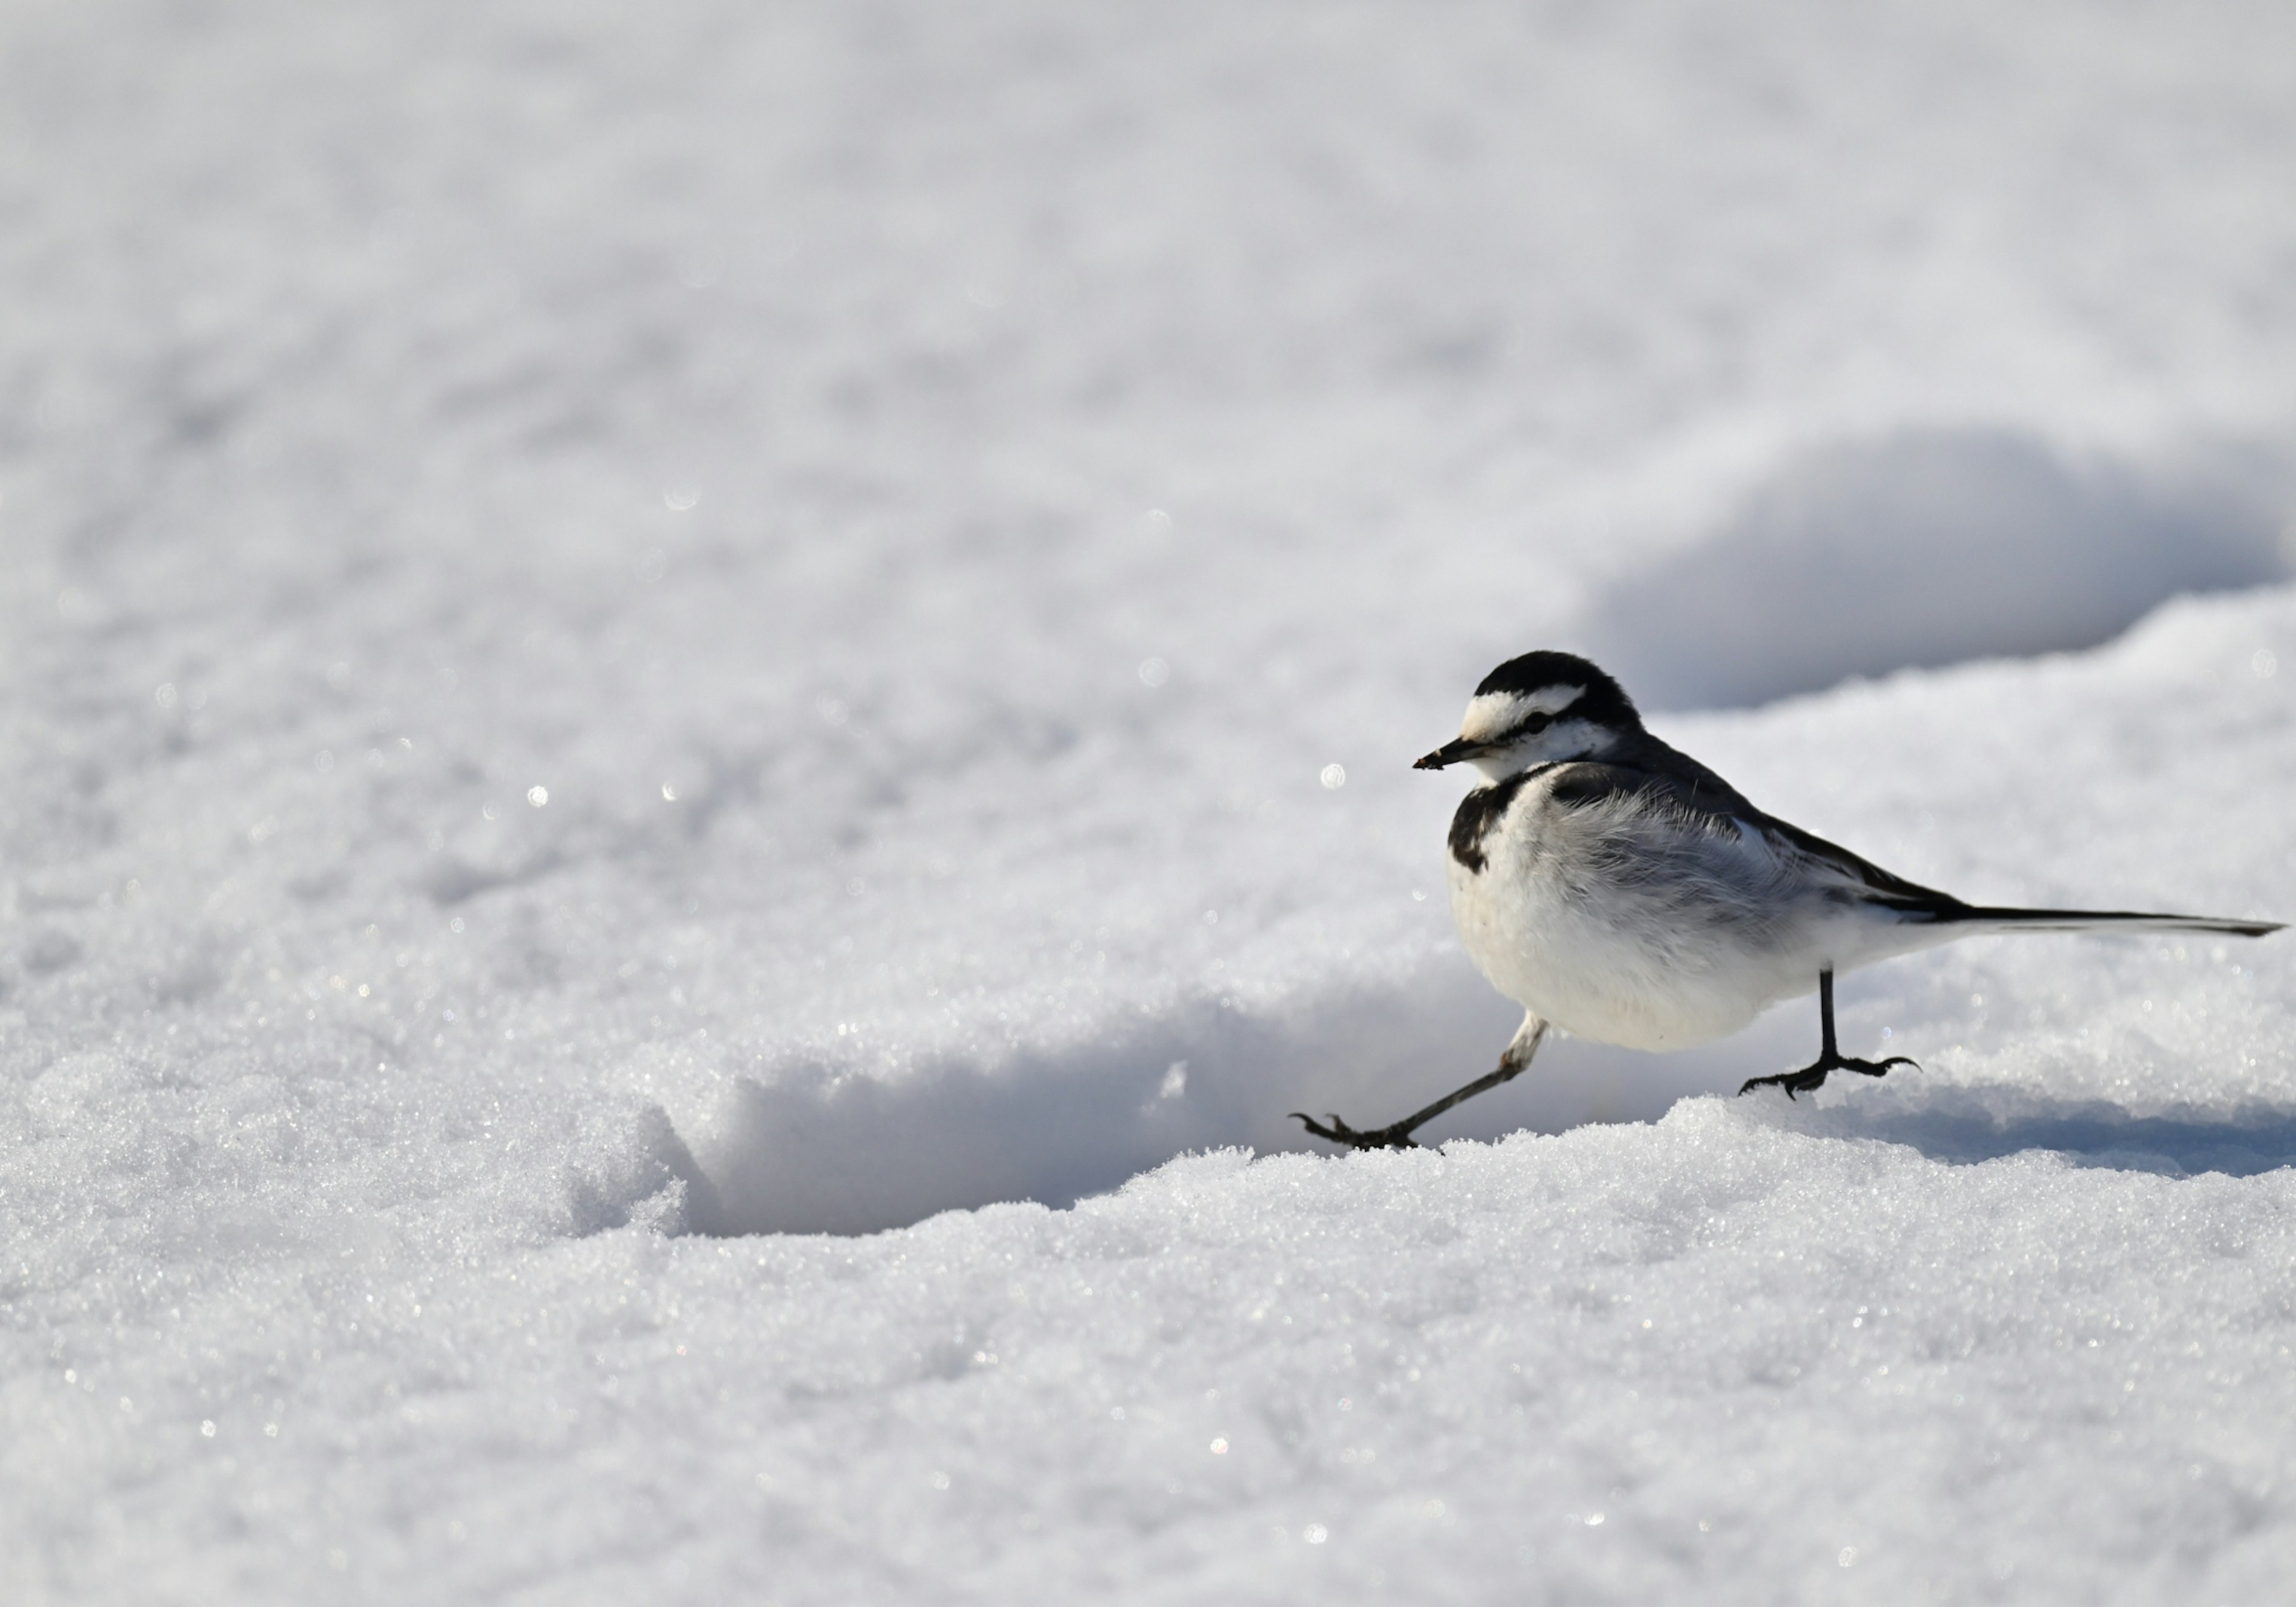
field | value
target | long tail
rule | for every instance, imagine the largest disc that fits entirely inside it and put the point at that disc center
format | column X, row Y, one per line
column 2105, row 920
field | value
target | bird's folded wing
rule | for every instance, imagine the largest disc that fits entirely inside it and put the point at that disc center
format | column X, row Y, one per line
column 1923, row 904
column 1679, row 802
column 1696, row 799
column 1868, row 882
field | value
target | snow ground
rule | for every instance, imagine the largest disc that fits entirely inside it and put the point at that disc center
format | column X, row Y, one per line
column 916, row 498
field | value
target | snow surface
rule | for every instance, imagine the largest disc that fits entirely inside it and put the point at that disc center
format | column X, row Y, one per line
column 652, row 654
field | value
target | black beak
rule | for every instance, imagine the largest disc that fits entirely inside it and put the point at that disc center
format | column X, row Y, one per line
column 1450, row 753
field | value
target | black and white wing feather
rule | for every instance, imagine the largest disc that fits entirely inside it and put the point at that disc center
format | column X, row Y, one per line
column 1682, row 803
column 1916, row 903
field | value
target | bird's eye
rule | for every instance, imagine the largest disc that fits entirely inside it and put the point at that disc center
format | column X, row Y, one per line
column 1536, row 723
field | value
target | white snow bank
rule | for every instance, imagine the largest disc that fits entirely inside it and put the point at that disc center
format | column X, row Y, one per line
column 1974, row 1329
column 1727, row 1355
column 1926, row 547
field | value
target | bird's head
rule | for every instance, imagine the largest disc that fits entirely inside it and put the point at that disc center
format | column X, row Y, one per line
column 1537, row 709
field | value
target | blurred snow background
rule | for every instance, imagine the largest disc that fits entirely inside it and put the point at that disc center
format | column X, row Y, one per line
column 624, row 628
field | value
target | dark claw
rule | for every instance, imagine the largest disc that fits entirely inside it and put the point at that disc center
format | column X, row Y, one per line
column 1812, row 1077
column 1339, row 1132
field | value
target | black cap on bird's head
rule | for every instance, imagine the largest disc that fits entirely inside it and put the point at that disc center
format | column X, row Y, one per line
column 1539, row 671
column 1541, row 707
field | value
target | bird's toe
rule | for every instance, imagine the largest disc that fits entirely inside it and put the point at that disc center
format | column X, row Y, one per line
column 1333, row 1130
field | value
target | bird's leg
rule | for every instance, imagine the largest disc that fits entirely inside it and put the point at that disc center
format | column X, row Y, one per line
column 1397, row 1135
column 1830, row 1058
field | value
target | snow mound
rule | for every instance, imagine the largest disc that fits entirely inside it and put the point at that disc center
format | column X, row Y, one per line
column 811, row 1149
column 1929, row 546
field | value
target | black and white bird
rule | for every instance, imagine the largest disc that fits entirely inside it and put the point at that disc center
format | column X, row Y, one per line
column 1622, row 891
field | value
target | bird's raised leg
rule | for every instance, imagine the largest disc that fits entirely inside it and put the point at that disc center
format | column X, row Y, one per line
column 1397, row 1134
column 1812, row 1077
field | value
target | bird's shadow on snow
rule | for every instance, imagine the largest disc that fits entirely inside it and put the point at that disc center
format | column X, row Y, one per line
column 1964, row 1126
column 809, row 1149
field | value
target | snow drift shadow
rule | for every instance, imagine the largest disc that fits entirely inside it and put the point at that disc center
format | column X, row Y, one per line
column 807, row 1150
column 1927, row 547
column 1964, row 1127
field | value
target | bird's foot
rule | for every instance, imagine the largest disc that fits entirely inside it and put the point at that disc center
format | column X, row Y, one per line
column 1395, row 1137
column 1812, row 1077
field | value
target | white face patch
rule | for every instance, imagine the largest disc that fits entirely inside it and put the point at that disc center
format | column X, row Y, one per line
column 1495, row 713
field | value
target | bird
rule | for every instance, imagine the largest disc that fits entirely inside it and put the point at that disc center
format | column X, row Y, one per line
column 1617, row 888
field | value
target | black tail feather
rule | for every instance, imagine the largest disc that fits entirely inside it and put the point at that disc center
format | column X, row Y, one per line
column 2107, row 920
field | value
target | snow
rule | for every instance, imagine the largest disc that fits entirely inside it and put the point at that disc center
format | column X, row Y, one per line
column 669, row 858
column 1972, row 541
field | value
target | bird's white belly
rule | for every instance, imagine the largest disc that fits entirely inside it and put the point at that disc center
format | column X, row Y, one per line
column 1622, row 964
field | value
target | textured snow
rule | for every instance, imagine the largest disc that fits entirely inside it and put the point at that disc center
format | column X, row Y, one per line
column 673, row 683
